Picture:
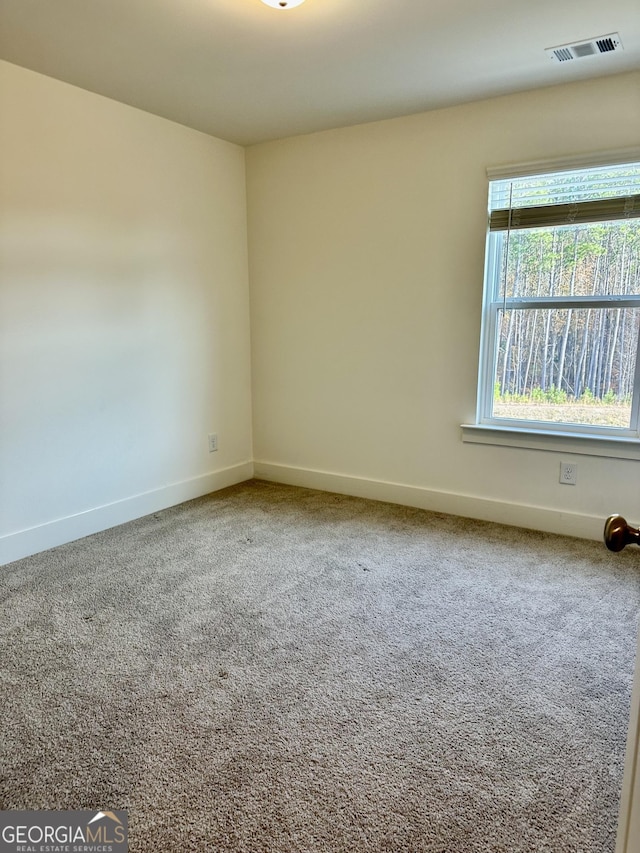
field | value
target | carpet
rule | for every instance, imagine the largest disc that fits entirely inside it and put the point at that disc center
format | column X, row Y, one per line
column 278, row 670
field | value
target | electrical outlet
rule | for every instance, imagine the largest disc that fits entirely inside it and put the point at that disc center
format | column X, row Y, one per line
column 568, row 473
column 213, row 442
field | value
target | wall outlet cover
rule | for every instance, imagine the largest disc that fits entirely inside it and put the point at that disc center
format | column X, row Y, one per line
column 568, row 473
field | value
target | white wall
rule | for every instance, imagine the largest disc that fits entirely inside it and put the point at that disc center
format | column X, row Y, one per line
column 366, row 267
column 124, row 316
column 124, row 313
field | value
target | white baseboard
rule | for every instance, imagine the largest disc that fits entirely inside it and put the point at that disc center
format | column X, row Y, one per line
column 467, row 506
column 23, row 543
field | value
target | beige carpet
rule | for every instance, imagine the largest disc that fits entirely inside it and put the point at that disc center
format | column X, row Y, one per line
column 272, row 670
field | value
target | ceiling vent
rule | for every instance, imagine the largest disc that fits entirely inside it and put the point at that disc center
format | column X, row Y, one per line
column 580, row 49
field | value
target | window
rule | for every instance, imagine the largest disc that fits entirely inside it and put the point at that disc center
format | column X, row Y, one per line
column 559, row 344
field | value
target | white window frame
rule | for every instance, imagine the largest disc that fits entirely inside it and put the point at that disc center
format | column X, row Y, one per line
column 582, row 438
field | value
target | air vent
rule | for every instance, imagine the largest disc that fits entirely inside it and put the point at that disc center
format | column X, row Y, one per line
column 580, row 49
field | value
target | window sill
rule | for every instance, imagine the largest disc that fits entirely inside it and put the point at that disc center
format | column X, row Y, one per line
column 614, row 447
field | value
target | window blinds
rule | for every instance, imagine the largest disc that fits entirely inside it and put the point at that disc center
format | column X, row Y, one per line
column 599, row 194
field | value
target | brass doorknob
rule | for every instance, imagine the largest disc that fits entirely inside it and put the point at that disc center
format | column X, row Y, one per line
column 617, row 533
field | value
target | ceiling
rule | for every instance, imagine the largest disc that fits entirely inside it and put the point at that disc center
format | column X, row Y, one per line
column 245, row 72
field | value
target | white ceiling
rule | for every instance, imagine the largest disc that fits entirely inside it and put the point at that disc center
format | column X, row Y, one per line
column 245, row 72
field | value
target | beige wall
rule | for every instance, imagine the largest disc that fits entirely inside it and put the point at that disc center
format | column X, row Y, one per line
column 366, row 267
column 124, row 309
column 124, row 318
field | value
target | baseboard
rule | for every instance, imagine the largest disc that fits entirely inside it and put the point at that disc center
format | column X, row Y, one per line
column 23, row 543
column 467, row 506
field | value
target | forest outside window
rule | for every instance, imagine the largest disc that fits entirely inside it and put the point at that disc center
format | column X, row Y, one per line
column 562, row 303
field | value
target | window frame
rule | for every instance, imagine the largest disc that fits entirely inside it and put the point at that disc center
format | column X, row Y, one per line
column 488, row 429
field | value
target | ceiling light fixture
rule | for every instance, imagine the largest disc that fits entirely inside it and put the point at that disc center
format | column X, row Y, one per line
column 283, row 4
